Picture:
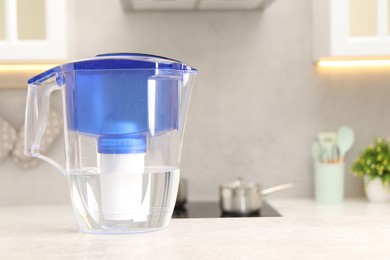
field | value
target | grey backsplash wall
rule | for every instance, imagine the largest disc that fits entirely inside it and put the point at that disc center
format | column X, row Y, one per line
column 256, row 107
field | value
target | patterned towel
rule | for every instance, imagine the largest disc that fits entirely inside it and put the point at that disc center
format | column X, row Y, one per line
column 7, row 138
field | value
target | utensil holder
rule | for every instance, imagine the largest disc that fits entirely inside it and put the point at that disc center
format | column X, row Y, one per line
column 329, row 182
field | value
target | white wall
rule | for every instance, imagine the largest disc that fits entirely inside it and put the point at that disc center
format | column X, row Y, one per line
column 257, row 104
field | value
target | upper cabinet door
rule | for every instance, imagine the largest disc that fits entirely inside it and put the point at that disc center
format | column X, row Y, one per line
column 32, row 30
column 351, row 28
column 194, row 5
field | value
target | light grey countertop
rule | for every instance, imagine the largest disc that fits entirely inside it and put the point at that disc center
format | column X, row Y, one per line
column 47, row 232
column 302, row 207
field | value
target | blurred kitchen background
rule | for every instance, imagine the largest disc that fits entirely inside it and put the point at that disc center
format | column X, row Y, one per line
column 257, row 104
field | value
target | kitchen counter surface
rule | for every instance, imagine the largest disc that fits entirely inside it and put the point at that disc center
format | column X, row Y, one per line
column 296, row 207
column 46, row 232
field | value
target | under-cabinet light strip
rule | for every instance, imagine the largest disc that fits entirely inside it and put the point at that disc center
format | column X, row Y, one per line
column 25, row 67
column 353, row 63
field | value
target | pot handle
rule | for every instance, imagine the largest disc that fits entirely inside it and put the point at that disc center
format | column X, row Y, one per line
column 277, row 188
column 37, row 114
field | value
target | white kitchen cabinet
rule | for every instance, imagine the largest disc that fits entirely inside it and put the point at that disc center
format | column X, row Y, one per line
column 351, row 28
column 194, row 5
column 230, row 5
column 32, row 30
column 159, row 5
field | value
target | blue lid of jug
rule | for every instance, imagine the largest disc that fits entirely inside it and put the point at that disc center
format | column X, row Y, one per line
column 118, row 99
column 114, row 61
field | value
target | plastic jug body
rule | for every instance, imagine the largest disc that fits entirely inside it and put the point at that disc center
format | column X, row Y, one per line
column 123, row 136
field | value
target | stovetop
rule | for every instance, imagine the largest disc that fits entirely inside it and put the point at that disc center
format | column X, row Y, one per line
column 212, row 210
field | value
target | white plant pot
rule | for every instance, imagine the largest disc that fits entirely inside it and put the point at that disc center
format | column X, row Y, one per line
column 376, row 190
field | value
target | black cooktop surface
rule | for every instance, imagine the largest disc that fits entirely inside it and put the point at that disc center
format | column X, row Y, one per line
column 212, row 210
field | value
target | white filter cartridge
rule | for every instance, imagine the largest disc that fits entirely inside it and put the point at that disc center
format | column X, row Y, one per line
column 124, row 194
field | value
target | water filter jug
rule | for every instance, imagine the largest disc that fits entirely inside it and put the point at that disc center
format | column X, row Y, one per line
column 124, row 118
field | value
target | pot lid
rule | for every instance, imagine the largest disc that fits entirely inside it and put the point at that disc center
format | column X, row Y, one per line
column 240, row 184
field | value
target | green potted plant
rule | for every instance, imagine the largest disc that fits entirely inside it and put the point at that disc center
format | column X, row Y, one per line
column 373, row 166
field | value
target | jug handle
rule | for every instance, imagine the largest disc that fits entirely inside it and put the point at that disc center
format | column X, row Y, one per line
column 37, row 115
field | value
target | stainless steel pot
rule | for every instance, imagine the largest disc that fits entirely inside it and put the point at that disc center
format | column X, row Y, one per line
column 243, row 198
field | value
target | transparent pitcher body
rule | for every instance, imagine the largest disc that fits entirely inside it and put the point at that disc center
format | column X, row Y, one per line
column 123, row 135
